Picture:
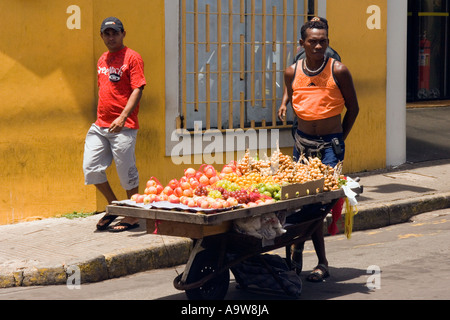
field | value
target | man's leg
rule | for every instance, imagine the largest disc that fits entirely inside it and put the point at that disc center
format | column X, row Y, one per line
column 123, row 149
column 320, row 272
column 128, row 220
column 319, row 245
column 107, row 192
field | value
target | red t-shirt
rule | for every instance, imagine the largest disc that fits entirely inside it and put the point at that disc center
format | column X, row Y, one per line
column 119, row 73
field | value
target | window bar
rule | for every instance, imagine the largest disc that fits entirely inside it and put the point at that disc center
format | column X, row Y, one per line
column 252, row 54
column 316, row 7
column 285, row 62
column 182, row 117
column 219, row 65
column 242, row 57
column 242, row 11
column 230, row 64
column 274, row 29
column 207, row 28
column 295, row 40
column 196, row 73
column 263, row 55
column 274, row 94
column 305, row 10
column 208, row 96
column 242, row 113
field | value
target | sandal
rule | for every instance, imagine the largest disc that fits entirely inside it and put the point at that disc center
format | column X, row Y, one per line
column 127, row 226
column 107, row 219
column 319, row 273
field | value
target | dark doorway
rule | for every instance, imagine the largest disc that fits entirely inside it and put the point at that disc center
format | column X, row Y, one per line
column 428, row 50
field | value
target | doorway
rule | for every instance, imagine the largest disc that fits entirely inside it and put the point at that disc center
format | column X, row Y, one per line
column 428, row 53
column 428, row 81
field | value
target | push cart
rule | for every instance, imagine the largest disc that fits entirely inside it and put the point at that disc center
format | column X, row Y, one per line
column 217, row 246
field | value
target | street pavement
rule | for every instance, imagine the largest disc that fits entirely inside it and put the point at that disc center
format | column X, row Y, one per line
column 52, row 251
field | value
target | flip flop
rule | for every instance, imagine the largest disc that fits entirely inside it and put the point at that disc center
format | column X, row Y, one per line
column 108, row 218
column 319, row 273
column 127, row 226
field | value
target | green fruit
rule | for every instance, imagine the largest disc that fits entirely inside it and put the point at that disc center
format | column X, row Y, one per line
column 270, row 188
column 267, row 193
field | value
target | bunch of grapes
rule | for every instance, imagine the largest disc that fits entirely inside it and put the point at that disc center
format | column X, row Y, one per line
column 227, row 185
column 241, row 196
column 201, row 191
column 224, row 192
column 216, row 194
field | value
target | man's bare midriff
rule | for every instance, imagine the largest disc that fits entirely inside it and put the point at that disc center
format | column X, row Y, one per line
column 321, row 127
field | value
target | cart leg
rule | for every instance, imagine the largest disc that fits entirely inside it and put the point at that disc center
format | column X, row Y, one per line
column 205, row 265
column 288, row 256
column 205, row 276
column 297, row 257
column 195, row 250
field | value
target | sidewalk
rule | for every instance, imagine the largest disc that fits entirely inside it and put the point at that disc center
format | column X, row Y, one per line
column 44, row 252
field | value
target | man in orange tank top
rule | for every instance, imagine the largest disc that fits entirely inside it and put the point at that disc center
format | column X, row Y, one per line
column 319, row 88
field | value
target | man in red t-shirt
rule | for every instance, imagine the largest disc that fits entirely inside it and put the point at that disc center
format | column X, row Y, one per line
column 121, row 81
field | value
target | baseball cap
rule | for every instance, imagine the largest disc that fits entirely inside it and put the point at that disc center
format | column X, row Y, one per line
column 113, row 23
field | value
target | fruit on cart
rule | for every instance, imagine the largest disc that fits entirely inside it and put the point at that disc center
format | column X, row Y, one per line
column 215, row 194
column 174, row 199
column 140, row 198
column 203, row 180
column 269, row 189
column 282, row 169
column 151, row 198
column 210, row 171
column 178, row 191
column 153, row 186
column 174, row 183
column 190, row 173
column 185, row 185
column 167, row 190
column 239, row 195
column 249, row 181
column 227, row 185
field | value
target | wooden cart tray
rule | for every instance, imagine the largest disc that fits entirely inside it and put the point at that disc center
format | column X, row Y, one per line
column 227, row 215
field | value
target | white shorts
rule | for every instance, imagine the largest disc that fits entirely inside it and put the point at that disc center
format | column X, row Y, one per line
column 101, row 147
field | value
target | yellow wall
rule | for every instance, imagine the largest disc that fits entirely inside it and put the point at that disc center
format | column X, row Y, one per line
column 47, row 89
column 363, row 51
column 48, row 98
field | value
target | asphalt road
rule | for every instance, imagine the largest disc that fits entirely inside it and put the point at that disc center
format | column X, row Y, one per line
column 412, row 259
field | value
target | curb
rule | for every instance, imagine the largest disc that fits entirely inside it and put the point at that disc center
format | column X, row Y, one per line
column 378, row 215
column 129, row 261
column 399, row 211
column 108, row 266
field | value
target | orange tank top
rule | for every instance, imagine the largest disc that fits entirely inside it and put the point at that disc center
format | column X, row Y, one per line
column 316, row 97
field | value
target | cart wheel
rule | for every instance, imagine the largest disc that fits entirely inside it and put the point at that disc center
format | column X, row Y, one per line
column 204, row 264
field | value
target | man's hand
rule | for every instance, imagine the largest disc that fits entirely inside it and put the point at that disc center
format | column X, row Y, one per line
column 117, row 125
column 282, row 112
